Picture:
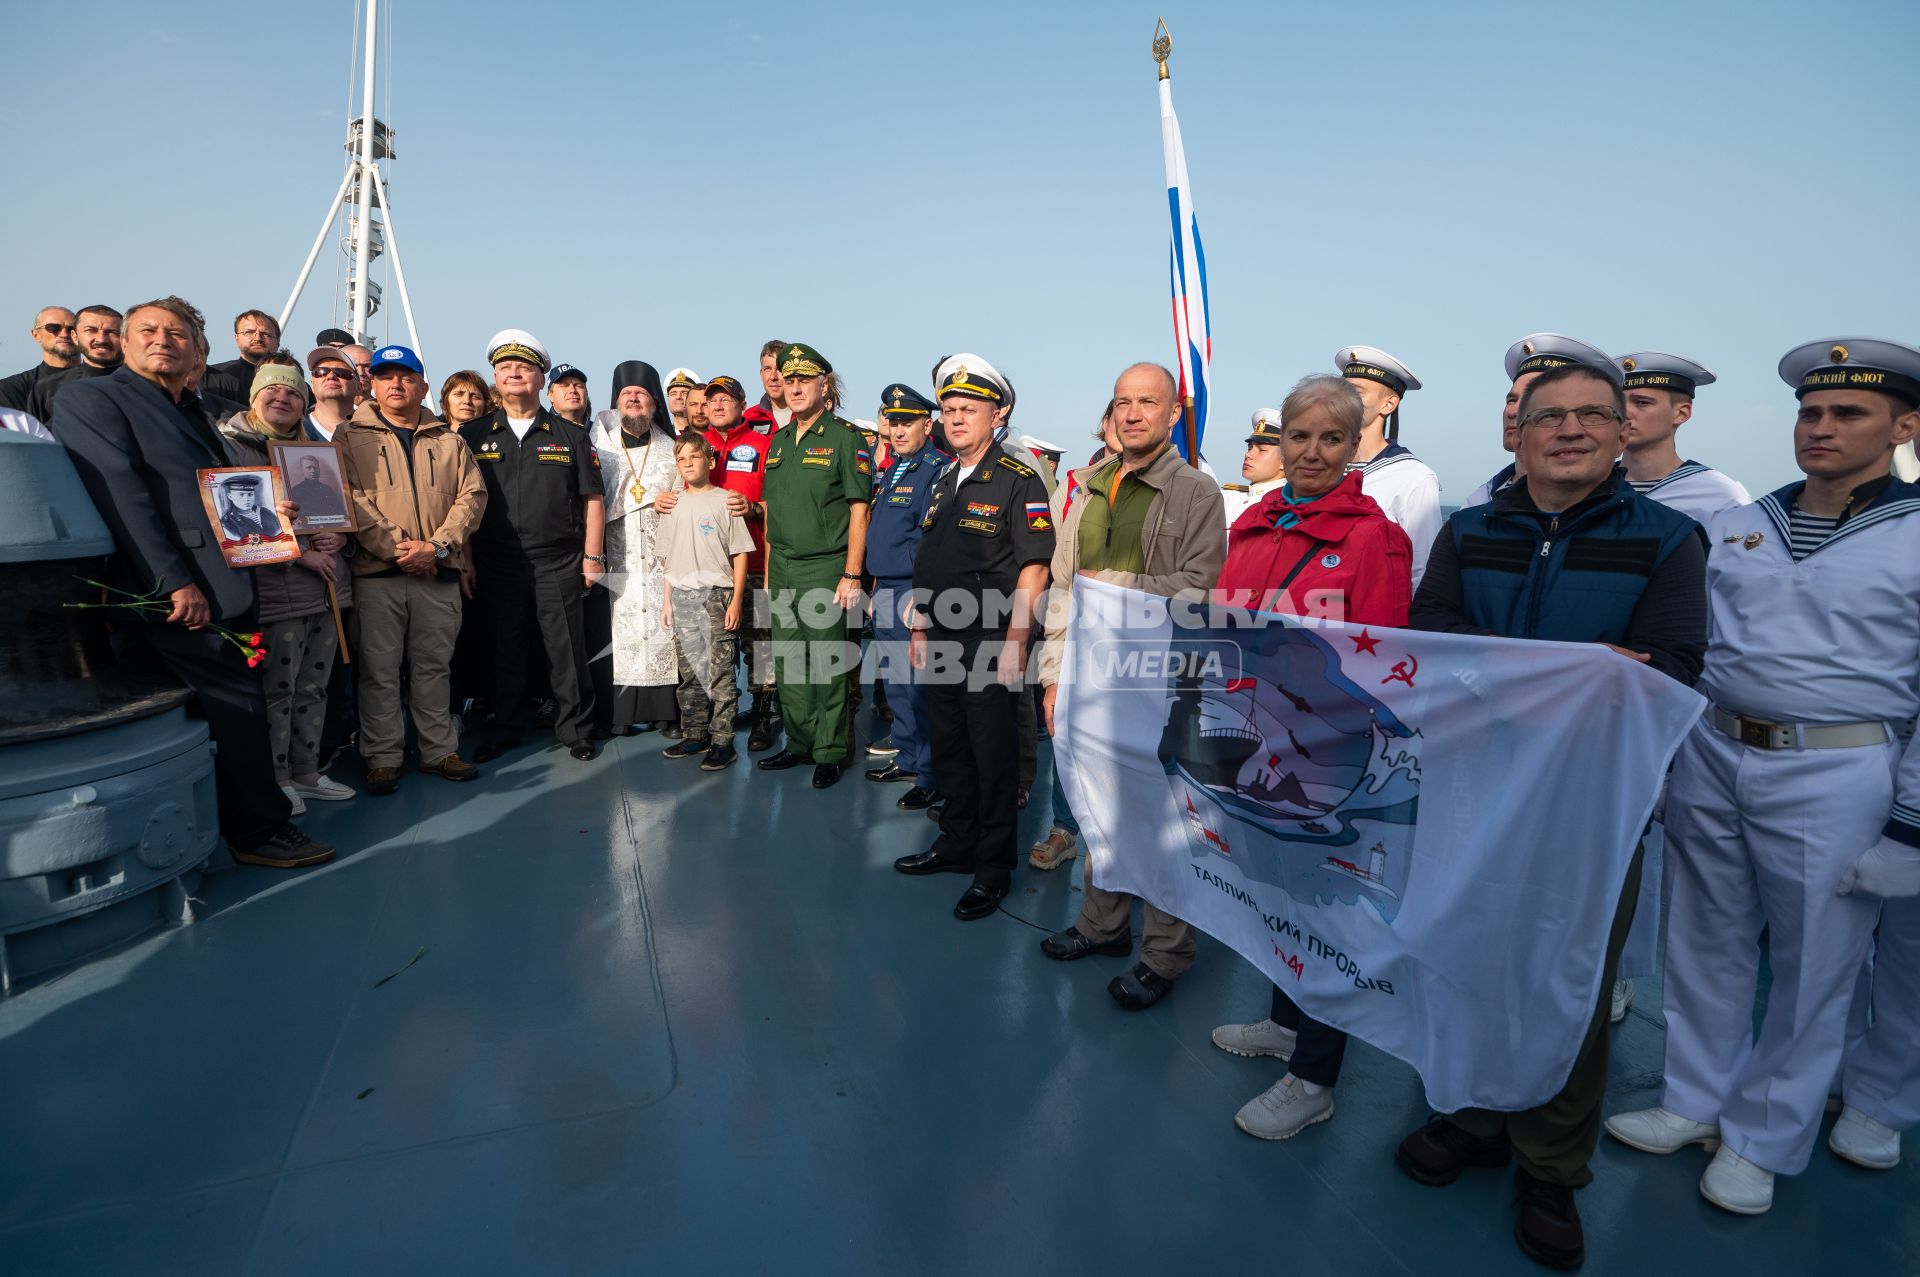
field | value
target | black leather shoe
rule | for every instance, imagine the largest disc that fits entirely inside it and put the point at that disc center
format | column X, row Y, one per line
column 930, row 862
column 494, row 746
column 826, row 775
column 1139, row 988
column 1437, row 1152
column 761, row 735
column 978, row 902
column 888, row 774
column 581, row 749
column 1070, row 945
column 914, row 799
column 781, row 761
column 1548, row 1230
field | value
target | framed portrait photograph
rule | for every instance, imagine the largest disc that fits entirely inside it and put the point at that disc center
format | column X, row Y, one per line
column 242, row 506
column 316, row 482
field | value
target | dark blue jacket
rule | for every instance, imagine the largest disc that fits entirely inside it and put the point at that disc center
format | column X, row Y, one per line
column 137, row 451
column 900, row 496
column 1617, row 568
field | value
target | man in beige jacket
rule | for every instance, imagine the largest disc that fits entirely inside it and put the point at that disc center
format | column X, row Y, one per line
column 1148, row 521
column 417, row 496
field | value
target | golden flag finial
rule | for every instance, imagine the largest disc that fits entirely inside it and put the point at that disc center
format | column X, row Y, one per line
column 1162, row 44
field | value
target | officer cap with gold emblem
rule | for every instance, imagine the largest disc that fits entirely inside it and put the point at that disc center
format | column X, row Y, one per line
column 1855, row 363
column 1537, row 352
column 685, row 378
column 514, row 343
column 971, row 377
column 1656, row 370
column 1266, row 426
column 802, row 360
column 1370, row 363
column 899, row 402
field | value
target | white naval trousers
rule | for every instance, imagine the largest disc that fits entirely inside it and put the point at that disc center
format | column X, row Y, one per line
column 1759, row 838
column 1881, row 1076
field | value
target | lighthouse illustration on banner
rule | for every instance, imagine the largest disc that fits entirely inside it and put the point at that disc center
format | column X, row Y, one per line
column 1293, row 772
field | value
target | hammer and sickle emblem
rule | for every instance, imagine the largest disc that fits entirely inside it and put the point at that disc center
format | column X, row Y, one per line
column 1403, row 672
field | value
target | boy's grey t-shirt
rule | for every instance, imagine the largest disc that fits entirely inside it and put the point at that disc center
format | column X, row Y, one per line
column 697, row 540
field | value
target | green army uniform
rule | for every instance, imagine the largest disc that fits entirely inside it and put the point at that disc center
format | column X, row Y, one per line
column 812, row 479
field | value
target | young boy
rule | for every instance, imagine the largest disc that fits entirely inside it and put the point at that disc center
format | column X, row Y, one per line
column 703, row 550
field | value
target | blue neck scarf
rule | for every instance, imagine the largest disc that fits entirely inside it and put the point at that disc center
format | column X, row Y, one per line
column 1286, row 518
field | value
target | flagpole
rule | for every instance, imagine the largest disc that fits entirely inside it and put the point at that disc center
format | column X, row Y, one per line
column 1187, row 268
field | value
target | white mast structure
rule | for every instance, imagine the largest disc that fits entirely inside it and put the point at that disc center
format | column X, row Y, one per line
column 361, row 190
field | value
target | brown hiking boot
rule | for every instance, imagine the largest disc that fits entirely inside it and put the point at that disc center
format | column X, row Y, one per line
column 452, row 767
column 382, row 780
column 287, row 849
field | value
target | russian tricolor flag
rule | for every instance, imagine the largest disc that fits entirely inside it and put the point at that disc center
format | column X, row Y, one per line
column 1192, row 329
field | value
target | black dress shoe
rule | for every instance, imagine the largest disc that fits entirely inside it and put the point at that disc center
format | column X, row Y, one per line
column 978, row 902
column 781, row 761
column 888, row 774
column 914, row 799
column 581, row 749
column 494, row 746
column 826, row 775
column 1070, row 945
column 930, row 862
column 1139, row 988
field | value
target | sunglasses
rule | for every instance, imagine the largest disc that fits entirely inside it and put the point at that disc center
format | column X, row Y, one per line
column 333, row 372
column 58, row 330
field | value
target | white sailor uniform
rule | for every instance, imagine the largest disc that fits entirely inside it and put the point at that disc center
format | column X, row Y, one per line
column 1486, row 492
column 1242, row 497
column 1408, row 491
column 1700, row 493
column 1697, row 491
column 1881, row 1075
column 1821, row 656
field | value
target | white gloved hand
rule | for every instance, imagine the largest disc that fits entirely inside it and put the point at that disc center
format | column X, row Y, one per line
column 1889, row 869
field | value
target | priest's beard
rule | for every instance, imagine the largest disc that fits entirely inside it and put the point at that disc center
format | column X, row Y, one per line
column 635, row 427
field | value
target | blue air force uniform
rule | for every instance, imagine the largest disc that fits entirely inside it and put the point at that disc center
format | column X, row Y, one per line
column 901, row 493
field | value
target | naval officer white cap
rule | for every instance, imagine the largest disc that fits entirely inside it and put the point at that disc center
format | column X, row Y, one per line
column 1537, row 352
column 1657, row 370
column 515, row 343
column 1854, row 363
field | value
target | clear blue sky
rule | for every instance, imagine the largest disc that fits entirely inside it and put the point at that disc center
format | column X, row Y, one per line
column 896, row 182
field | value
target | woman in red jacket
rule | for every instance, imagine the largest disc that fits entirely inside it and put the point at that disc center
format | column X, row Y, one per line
column 1316, row 547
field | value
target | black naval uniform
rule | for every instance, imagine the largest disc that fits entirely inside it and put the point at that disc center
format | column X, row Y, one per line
column 527, row 560
column 978, row 534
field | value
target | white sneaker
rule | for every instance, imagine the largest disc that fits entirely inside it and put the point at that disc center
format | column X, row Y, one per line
column 1284, row 1110
column 1658, row 1131
column 1865, row 1142
column 293, row 796
column 1622, row 999
column 1734, row 1184
column 326, row 789
column 1262, row 1037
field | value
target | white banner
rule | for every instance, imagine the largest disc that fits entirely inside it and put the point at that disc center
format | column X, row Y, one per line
column 1421, row 837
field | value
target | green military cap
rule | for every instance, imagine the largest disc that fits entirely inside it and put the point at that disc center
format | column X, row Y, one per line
column 802, row 360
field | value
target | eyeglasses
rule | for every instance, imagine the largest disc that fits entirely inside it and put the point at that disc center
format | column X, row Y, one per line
column 333, row 372
column 58, row 330
column 1590, row 416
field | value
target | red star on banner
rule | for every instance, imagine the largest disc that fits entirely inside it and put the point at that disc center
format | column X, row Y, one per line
column 1365, row 643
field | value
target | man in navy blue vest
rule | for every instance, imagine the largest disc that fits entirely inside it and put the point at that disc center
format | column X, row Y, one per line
column 1569, row 553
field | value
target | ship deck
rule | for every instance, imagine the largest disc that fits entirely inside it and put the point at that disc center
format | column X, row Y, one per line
column 626, row 1016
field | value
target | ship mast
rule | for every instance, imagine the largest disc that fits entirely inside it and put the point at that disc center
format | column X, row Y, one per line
column 363, row 191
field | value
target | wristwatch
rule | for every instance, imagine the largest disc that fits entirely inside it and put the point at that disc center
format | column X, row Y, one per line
column 850, row 576
column 601, row 559
column 441, row 549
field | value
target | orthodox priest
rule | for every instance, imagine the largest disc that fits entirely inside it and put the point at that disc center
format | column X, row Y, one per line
column 635, row 671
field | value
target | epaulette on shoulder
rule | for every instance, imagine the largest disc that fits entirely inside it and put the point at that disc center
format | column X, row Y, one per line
column 1235, row 487
column 1018, row 466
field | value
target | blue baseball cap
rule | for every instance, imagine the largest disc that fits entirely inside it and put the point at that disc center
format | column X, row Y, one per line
column 563, row 371
column 388, row 356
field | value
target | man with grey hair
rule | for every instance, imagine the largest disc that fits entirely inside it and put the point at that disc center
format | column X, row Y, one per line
column 1146, row 520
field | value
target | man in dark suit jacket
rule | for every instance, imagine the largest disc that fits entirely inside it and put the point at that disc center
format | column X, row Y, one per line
column 136, row 437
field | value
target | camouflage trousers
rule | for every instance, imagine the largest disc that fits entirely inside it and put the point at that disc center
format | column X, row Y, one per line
column 708, row 694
